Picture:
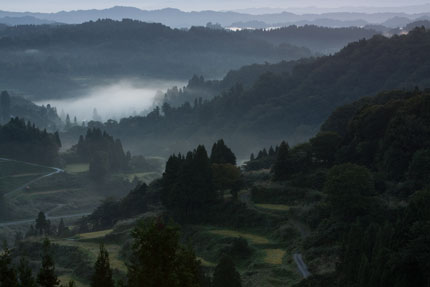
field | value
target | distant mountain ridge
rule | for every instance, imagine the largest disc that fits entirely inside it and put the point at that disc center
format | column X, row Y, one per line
column 179, row 19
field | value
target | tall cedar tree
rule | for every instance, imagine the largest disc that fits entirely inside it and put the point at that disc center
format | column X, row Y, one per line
column 225, row 274
column 282, row 167
column 222, row 154
column 46, row 276
column 25, row 275
column 102, row 276
column 7, row 272
column 159, row 260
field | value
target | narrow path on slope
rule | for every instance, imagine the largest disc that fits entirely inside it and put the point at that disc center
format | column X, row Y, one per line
column 55, row 170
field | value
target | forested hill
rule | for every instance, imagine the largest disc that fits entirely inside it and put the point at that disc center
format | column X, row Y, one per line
column 70, row 57
column 23, row 141
column 286, row 105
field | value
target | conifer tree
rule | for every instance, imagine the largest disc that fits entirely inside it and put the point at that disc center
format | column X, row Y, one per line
column 102, row 276
column 282, row 167
column 225, row 274
column 222, row 154
column 8, row 276
column 25, row 275
column 47, row 276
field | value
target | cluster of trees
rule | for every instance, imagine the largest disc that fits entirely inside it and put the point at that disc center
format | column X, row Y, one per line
column 43, row 227
column 193, row 182
column 103, row 152
column 264, row 159
column 41, row 116
column 24, row 141
column 22, row 274
column 158, row 260
column 111, row 210
column 391, row 253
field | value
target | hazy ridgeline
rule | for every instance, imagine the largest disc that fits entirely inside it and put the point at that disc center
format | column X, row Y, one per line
column 69, row 59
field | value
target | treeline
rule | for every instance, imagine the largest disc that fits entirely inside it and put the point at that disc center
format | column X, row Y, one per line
column 23, row 141
column 292, row 105
column 194, row 182
column 104, row 153
column 15, row 106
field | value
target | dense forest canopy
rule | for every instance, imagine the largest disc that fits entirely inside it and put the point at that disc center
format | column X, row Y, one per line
column 23, row 141
column 291, row 105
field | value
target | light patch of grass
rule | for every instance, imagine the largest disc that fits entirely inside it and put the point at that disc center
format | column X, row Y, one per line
column 205, row 262
column 50, row 192
column 77, row 167
column 93, row 235
column 276, row 207
column 255, row 239
column 274, row 256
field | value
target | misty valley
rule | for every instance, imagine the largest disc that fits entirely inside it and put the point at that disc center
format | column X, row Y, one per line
column 214, row 148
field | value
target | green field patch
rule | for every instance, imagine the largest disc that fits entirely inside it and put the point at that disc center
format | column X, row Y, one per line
column 274, row 256
column 94, row 235
column 252, row 238
column 275, row 207
column 51, row 192
column 206, row 263
column 77, row 168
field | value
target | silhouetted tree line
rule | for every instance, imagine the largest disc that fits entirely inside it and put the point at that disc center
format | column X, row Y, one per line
column 24, row 141
column 195, row 181
column 103, row 152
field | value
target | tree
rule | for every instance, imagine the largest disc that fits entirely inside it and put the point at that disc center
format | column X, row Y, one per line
column 225, row 274
column 42, row 224
column 282, row 168
column 227, row 177
column 8, row 276
column 68, row 123
column 47, row 276
column 349, row 188
column 102, row 276
column 419, row 168
column 324, row 147
column 159, row 260
column 4, row 107
column 222, row 154
column 62, row 229
column 25, row 275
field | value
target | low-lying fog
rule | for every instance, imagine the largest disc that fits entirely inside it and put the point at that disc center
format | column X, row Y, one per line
column 113, row 101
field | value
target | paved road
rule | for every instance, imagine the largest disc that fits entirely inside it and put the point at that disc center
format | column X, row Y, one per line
column 27, row 221
column 303, row 268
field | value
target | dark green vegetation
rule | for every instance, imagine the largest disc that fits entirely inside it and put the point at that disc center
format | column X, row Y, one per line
column 70, row 57
column 23, row 141
column 104, row 154
column 281, row 105
column 41, row 116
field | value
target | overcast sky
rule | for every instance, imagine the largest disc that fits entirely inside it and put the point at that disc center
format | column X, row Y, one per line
column 195, row 5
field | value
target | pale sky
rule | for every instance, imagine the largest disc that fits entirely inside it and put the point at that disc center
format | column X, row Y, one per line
column 188, row 5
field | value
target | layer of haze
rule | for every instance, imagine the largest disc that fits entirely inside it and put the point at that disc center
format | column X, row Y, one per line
column 194, row 5
column 113, row 101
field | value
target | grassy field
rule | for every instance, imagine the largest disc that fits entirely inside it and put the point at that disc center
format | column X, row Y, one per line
column 77, row 168
column 16, row 174
column 252, row 238
column 94, row 235
column 274, row 256
column 274, row 207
